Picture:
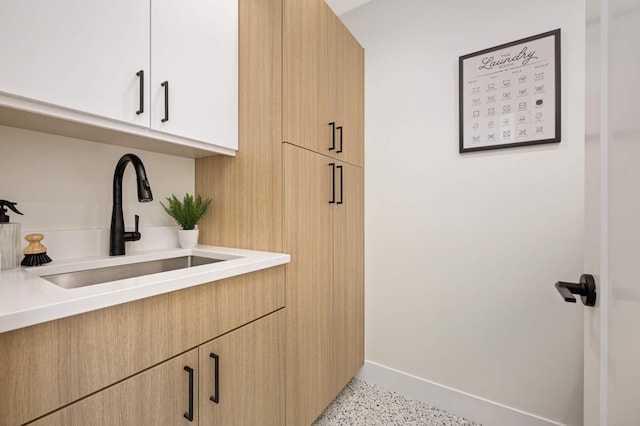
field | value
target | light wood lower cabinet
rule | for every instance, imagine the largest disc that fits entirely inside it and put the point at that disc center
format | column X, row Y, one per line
column 248, row 367
column 51, row 365
column 234, row 380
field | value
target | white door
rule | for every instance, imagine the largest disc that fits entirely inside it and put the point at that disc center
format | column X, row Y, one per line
column 612, row 327
column 81, row 55
column 194, row 49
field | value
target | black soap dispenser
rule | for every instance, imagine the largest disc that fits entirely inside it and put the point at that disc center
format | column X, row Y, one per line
column 10, row 252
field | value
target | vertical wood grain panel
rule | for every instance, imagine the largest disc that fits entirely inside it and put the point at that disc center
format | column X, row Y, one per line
column 247, row 189
column 309, row 277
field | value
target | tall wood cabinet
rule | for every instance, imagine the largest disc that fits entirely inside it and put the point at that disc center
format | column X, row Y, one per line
column 325, row 304
column 301, row 100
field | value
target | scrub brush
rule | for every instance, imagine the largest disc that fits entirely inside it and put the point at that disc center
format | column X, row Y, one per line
column 35, row 254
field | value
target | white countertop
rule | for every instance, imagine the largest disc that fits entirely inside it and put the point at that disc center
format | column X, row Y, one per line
column 27, row 299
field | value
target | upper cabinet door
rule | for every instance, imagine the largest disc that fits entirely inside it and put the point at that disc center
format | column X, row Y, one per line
column 81, row 55
column 194, row 48
column 307, row 80
column 349, row 98
column 323, row 82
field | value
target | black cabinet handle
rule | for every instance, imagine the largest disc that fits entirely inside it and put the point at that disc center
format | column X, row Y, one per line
column 339, row 128
column 333, row 183
column 216, row 384
column 333, row 136
column 586, row 288
column 141, row 75
column 166, row 101
column 189, row 414
column 340, row 168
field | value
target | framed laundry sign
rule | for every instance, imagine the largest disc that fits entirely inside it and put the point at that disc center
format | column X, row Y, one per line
column 510, row 94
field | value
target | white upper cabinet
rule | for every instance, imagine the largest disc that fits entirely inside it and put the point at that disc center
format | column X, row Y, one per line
column 194, row 47
column 81, row 55
column 79, row 62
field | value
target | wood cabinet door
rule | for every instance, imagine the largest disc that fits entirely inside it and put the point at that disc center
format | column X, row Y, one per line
column 308, row 237
column 349, row 96
column 348, row 285
column 195, row 49
column 242, row 375
column 158, row 396
column 78, row 55
column 307, row 79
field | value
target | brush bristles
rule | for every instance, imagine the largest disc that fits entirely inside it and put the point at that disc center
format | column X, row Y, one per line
column 35, row 259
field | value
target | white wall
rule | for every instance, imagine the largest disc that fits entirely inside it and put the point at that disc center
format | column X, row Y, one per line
column 65, row 184
column 462, row 251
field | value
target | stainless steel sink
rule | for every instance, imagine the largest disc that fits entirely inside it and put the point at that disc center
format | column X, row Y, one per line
column 120, row 272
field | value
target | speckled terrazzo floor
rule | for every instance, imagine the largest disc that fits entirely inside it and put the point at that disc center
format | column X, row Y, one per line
column 361, row 403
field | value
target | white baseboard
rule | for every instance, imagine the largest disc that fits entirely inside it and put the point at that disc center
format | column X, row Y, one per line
column 471, row 407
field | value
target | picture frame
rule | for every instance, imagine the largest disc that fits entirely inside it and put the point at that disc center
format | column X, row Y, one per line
column 510, row 94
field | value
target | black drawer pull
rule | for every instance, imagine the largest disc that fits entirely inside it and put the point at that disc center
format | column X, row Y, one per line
column 339, row 128
column 189, row 414
column 216, row 384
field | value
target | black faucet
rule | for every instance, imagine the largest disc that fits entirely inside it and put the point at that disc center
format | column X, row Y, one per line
column 117, row 235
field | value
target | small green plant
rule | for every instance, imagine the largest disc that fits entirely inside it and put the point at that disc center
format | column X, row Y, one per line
column 188, row 212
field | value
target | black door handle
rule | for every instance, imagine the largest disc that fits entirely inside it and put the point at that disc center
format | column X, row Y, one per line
column 189, row 414
column 166, row 101
column 333, row 136
column 586, row 288
column 141, row 75
column 339, row 128
column 340, row 168
column 216, row 397
column 333, row 183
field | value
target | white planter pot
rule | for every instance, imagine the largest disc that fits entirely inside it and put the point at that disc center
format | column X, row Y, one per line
column 188, row 239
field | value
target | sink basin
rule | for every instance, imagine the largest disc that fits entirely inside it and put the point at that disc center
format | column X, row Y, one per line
column 87, row 277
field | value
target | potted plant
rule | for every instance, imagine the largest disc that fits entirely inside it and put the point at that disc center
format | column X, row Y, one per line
column 187, row 213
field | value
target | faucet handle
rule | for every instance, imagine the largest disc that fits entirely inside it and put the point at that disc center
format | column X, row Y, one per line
column 135, row 235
